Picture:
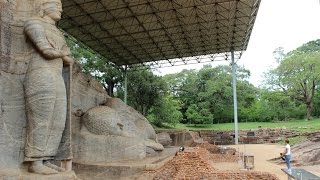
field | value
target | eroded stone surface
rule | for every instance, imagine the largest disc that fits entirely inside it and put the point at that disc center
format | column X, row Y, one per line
column 26, row 76
column 102, row 120
column 96, row 149
column 134, row 122
column 33, row 84
column 45, row 89
column 120, row 132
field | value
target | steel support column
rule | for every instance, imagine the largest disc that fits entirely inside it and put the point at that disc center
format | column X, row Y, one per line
column 125, row 84
column 235, row 108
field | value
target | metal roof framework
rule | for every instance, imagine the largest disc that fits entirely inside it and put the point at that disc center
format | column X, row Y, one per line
column 161, row 33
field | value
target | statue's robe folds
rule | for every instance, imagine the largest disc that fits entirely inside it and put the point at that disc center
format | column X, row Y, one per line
column 45, row 92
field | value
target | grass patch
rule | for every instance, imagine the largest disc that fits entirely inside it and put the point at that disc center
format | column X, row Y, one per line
column 298, row 125
column 301, row 126
column 295, row 140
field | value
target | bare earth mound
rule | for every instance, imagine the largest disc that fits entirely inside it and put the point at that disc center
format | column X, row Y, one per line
column 193, row 163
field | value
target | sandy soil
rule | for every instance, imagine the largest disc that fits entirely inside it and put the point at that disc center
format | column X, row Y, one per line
column 264, row 152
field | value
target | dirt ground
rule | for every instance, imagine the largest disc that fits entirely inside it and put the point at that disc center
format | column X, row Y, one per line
column 264, row 152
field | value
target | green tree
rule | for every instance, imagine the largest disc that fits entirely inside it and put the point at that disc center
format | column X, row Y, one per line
column 215, row 88
column 316, row 102
column 166, row 110
column 183, row 86
column 298, row 74
column 197, row 115
column 144, row 89
column 247, row 95
column 193, row 115
column 206, row 95
column 100, row 68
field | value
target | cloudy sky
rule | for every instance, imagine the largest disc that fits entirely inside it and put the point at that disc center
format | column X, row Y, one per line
column 280, row 23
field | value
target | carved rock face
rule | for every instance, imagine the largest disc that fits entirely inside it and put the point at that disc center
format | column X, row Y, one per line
column 53, row 9
column 134, row 122
column 102, row 120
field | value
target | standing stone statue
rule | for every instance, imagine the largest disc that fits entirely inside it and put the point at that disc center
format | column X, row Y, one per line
column 45, row 91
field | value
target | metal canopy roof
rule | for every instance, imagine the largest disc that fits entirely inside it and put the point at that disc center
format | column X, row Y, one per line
column 128, row 32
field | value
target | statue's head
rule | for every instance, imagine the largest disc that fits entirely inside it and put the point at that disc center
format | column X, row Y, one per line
column 52, row 9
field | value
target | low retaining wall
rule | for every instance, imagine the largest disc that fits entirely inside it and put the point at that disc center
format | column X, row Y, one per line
column 255, row 136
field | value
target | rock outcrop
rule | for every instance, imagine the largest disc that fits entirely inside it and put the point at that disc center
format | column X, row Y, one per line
column 89, row 145
column 105, row 129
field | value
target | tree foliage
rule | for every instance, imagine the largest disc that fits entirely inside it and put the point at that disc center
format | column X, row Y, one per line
column 298, row 74
column 100, row 68
column 144, row 89
column 166, row 110
column 206, row 96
